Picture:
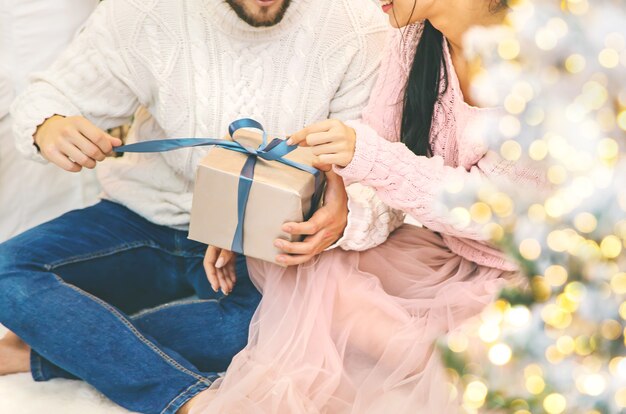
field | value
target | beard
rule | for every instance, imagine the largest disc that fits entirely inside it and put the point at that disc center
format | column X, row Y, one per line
column 259, row 19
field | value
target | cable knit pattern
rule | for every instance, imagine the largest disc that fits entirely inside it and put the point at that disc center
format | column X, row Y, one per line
column 415, row 184
column 188, row 68
column 369, row 218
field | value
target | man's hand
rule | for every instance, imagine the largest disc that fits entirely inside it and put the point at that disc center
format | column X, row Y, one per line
column 322, row 230
column 332, row 141
column 73, row 143
column 219, row 265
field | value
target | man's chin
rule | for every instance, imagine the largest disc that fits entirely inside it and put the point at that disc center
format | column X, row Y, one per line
column 260, row 13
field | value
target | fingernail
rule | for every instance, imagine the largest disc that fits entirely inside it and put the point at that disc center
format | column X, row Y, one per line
column 225, row 292
column 287, row 229
column 278, row 244
column 214, row 288
column 280, row 259
column 290, row 141
column 220, row 263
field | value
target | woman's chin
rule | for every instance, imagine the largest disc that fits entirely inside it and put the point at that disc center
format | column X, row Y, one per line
column 395, row 24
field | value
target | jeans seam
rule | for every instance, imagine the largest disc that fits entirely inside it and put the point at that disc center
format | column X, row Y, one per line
column 150, row 311
column 183, row 395
column 113, row 250
column 98, row 254
column 135, row 332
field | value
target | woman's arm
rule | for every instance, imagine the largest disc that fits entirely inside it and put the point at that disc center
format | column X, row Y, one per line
column 417, row 184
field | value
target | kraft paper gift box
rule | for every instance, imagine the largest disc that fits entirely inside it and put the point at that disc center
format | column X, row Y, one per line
column 279, row 194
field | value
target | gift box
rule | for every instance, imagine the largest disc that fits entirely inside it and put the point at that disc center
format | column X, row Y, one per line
column 278, row 193
column 247, row 188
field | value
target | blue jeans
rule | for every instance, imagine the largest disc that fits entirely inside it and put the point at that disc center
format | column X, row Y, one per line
column 99, row 295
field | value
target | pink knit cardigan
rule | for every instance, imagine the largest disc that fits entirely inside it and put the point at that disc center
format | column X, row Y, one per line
column 406, row 183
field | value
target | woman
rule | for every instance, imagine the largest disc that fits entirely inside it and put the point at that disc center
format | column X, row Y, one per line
column 355, row 332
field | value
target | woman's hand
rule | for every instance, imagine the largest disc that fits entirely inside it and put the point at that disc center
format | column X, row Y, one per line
column 332, row 141
column 219, row 265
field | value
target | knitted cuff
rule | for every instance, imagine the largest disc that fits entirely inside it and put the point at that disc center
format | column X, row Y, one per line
column 365, row 153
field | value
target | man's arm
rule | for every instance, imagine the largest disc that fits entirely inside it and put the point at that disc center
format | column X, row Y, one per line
column 62, row 113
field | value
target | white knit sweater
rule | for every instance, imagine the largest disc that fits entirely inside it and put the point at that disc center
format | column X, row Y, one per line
column 195, row 67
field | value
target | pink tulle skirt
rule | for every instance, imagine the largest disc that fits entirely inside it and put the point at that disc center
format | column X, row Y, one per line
column 355, row 332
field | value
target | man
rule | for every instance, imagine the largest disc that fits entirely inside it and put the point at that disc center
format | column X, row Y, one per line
column 67, row 288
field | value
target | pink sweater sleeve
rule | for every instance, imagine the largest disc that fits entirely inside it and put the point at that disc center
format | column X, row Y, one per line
column 416, row 184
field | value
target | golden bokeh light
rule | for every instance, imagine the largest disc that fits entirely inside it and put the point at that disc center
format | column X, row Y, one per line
column 554, row 403
column 530, row 249
column 556, row 275
column 535, row 384
column 611, row 247
column 500, row 354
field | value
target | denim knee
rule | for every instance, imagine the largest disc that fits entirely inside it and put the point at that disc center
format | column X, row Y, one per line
column 8, row 255
column 14, row 254
column 16, row 276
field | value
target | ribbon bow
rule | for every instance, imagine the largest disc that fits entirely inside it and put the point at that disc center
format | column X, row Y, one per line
column 275, row 150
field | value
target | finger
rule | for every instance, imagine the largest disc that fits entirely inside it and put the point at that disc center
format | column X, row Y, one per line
column 321, row 138
column 230, row 267
column 224, row 284
column 116, row 142
column 339, row 159
column 76, row 155
column 87, row 147
column 287, row 260
column 229, row 282
column 314, row 225
column 219, row 260
column 223, row 259
column 329, row 149
column 226, row 263
column 299, row 138
column 60, row 159
column 311, row 245
column 99, row 137
column 211, row 273
column 209, row 266
column 321, row 166
column 231, row 273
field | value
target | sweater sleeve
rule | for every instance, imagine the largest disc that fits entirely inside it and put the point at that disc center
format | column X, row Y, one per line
column 416, row 184
column 370, row 220
column 89, row 79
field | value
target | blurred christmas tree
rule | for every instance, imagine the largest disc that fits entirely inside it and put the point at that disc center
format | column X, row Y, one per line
column 556, row 346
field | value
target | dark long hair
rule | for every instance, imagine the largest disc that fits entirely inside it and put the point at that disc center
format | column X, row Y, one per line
column 424, row 88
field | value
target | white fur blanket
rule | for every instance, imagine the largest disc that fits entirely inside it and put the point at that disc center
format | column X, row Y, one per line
column 19, row 394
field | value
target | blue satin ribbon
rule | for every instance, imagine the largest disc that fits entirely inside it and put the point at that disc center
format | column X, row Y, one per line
column 275, row 150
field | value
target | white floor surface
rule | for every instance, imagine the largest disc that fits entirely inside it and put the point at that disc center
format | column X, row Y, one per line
column 19, row 394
